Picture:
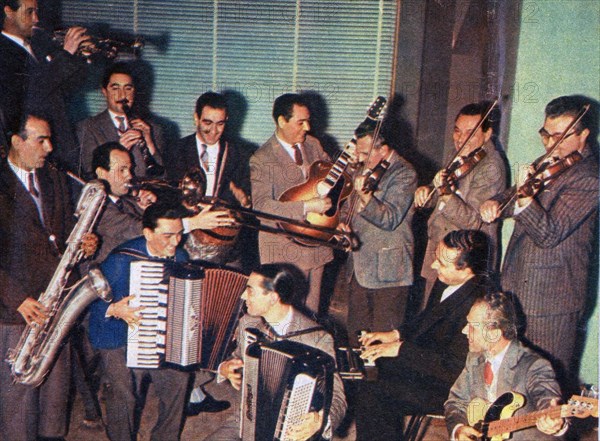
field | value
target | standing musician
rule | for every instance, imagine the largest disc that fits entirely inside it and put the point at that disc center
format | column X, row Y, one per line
column 112, row 124
column 218, row 162
column 498, row 363
column 35, row 75
column 35, row 220
column 381, row 270
column 281, row 163
column 456, row 203
column 548, row 259
column 270, row 295
column 162, row 232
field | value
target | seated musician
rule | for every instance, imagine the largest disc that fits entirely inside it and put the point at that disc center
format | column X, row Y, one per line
column 108, row 331
column 418, row 363
column 498, row 363
column 269, row 296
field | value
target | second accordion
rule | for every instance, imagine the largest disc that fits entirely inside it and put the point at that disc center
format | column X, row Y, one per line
column 189, row 317
column 283, row 381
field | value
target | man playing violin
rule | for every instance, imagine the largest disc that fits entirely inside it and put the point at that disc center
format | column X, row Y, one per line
column 548, row 258
column 380, row 272
column 457, row 197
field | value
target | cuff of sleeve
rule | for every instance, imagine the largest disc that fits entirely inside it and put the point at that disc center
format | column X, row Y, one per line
column 453, row 435
column 186, row 225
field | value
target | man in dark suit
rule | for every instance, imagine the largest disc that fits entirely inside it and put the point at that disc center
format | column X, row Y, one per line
column 459, row 208
column 220, row 164
column 121, row 219
column 418, row 363
column 112, row 124
column 381, row 270
column 270, row 293
column 498, row 363
column 35, row 75
column 548, row 259
column 281, row 163
column 35, row 221
column 108, row 330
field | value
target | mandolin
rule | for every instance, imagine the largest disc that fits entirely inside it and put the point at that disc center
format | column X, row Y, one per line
column 496, row 422
column 328, row 180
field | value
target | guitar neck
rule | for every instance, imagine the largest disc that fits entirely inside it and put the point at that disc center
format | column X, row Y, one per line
column 519, row 422
column 339, row 166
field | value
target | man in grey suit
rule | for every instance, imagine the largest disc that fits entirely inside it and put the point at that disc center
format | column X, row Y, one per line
column 281, row 163
column 118, row 86
column 498, row 363
column 381, row 269
column 549, row 256
column 270, row 293
column 459, row 209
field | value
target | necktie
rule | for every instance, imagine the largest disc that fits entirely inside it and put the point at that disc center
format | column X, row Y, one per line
column 297, row 155
column 121, row 121
column 119, row 204
column 204, row 156
column 31, row 185
column 488, row 375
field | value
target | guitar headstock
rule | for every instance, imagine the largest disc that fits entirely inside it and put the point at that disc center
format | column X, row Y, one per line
column 580, row 407
column 377, row 108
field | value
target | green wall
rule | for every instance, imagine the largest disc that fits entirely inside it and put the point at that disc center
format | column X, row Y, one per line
column 558, row 54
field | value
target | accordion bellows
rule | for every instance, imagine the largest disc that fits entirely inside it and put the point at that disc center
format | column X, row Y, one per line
column 189, row 317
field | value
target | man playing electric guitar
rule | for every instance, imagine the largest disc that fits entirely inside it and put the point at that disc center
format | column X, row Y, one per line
column 499, row 363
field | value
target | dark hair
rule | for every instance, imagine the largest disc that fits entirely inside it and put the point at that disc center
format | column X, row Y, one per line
column 570, row 106
column 366, row 128
column 162, row 210
column 492, row 121
column 284, row 105
column 21, row 131
column 12, row 4
column 280, row 278
column 474, row 249
column 101, row 155
column 501, row 313
column 211, row 99
column 117, row 68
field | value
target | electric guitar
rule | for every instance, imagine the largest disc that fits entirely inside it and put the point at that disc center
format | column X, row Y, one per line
column 328, row 180
column 495, row 421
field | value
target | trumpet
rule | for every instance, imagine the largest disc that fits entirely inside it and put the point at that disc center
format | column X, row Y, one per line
column 107, row 47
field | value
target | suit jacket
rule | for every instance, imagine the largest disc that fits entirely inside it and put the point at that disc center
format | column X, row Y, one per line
column 273, row 171
column 28, row 257
column 522, row 371
column 110, row 332
column 385, row 256
column 185, row 156
column 433, row 349
column 486, row 180
column 319, row 339
column 99, row 129
column 41, row 85
column 117, row 225
column 547, row 261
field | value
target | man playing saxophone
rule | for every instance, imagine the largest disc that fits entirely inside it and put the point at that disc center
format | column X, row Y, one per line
column 35, row 220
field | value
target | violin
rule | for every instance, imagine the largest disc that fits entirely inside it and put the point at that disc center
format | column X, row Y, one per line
column 547, row 172
column 373, row 177
column 459, row 168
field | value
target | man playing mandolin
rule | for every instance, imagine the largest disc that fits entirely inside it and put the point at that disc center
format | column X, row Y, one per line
column 498, row 363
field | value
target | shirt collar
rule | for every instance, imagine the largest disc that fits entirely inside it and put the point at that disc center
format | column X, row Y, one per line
column 209, row 147
column 289, row 148
column 20, row 41
column 20, row 172
column 283, row 326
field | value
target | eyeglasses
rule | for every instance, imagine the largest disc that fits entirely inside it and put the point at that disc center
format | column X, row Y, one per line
column 554, row 136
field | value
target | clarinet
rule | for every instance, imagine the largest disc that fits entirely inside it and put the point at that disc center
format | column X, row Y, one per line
column 153, row 168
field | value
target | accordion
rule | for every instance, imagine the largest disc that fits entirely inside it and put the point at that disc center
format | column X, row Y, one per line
column 283, row 381
column 189, row 317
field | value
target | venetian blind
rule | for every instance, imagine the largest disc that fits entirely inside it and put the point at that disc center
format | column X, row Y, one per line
column 339, row 50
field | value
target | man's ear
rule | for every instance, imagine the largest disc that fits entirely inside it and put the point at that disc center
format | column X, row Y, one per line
column 16, row 140
column 281, row 121
column 146, row 232
column 101, row 172
column 196, row 119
